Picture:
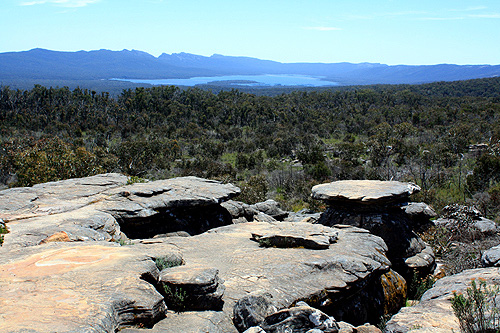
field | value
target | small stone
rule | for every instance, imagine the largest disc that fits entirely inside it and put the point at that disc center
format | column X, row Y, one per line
column 252, row 309
column 491, row 257
column 255, row 329
column 60, row 236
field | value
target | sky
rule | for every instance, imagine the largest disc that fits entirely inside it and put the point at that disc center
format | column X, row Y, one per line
column 411, row 32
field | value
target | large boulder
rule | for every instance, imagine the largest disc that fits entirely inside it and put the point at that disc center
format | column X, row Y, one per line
column 382, row 208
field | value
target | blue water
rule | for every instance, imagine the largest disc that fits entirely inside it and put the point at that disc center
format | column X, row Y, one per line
column 257, row 80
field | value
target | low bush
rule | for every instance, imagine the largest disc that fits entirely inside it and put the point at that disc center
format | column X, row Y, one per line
column 478, row 310
column 167, row 262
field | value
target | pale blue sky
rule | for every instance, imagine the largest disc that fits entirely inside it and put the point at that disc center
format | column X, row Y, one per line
column 393, row 32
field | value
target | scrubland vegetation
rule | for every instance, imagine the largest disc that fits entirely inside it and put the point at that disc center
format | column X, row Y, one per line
column 271, row 146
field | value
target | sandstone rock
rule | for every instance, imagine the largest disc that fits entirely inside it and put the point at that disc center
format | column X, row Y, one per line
column 102, row 207
column 240, row 210
column 255, row 329
column 78, row 287
column 326, row 279
column 251, row 310
column 83, row 224
column 420, row 215
column 190, row 322
column 486, row 226
column 303, row 216
column 491, row 257
column 193, row 288
column 346, row 327
column 266, row 211
column 364, row 191
column 316, row 237
column 96, row 285
column 300, row 319
column 419, row 209
column 423, row 263
column 261, row 217
column 393, row 226
column 382, row 208
column 434, row 312
column 173, row 234
column 57, row 237
column 366, row 328
column 271, row 208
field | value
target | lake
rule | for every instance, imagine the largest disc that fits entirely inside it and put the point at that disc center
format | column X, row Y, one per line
column 243, row 80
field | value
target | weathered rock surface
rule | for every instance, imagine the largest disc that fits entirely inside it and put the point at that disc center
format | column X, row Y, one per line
column 419, row 209
column 491, row 257
column 420, row 215
column 252, row 310
column 434, row 312
column 78, row 287
column 194, row 288
column 271, row 208
column 382, row 208
column 266, row 211
column 240, row 210
column 48, row 282
column 101, row 207
column 486, row 226
column 301, row 319
column 325, row 278
column 304, row 215
column 190, row 322
column 364, row 191
column 315, row 237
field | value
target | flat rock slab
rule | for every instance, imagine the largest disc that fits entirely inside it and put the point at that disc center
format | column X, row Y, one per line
column 288, row 274
column 434, row 312
column 364, row 191
column 309, row 236
column 91, row 208
column 190, row 322
column 78, row 287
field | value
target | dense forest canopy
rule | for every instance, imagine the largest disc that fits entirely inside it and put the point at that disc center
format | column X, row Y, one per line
column 443, row 136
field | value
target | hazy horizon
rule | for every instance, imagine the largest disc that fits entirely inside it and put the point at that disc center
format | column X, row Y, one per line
column 387, row 31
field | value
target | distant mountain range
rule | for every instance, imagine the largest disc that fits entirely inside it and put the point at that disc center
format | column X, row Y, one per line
column 40, row 64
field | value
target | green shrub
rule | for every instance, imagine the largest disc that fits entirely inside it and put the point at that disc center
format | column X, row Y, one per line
column 3, row 230
column 477, row 310
column 419, row 285
column 175, row 298
column 135, row 179
column 167, row 262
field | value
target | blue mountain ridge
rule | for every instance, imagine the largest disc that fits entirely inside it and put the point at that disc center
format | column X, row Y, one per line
column 41, row 64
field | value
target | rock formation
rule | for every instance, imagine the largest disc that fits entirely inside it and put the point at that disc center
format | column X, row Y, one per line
column 382, row 208
column 63, row 268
